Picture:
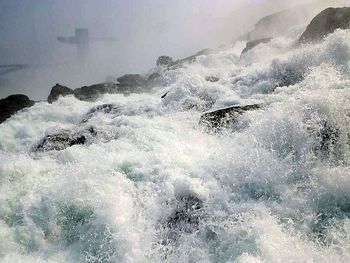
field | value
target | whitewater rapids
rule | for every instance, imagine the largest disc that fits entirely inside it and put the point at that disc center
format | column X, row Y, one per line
column 270, row 192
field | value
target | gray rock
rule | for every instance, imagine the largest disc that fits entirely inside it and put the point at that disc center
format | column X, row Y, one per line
column 132, row 83
column 325, row 23
column 224, row 118
column 13, row 103
column 212, row 79
column 164, row 61
column 64, row 139
column 57, row 91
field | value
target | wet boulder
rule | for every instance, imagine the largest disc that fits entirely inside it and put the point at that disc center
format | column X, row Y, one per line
column 64, row 139
column 104, row 108
column 91, row 93
column 132, row 83
column 13, row 103
column 224, row 118
column 252, row 44
column 325, row 23
column 57, row 91
column 164, row 61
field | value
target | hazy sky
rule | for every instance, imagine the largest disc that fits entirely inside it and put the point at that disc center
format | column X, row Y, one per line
column 144, row 29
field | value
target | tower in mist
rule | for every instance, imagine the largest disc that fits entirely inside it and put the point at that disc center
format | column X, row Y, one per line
column 82, row 41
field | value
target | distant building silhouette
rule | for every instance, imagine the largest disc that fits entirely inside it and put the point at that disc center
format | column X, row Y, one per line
column 82, row 41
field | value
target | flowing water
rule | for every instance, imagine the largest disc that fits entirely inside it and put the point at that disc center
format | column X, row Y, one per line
column 157, row 187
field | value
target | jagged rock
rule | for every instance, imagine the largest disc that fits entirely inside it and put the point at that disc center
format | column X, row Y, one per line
column 212, row 79
column 252, row 44
column 325, row 23
column 225, row 117
column 13, row 103
column 91, row 93
column 164, row 61
column 57, row 91
column 64, row 139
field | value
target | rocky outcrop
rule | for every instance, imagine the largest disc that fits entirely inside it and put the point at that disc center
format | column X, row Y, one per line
column 13, row 103
column 252, row 44
column 224, row 118
column 57, row 91
column 279, row 23
column 325, row 23
column 164, row 61
column 91, row 93
column 132, row 83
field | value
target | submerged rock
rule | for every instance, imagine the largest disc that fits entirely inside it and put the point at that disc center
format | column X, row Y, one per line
column 64, row 139
column 212, row 79
column 225, row 117
column 186, row 216
column 328, row 140
column 325, row 23
column 252, row 44
column 57, row 91
column 13, row 103
column 104, row 108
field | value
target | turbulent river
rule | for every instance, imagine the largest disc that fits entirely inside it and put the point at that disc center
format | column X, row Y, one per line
column 155, row 186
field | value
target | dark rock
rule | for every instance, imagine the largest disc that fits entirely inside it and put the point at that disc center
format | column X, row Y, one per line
column 64, row 139
column 186, row 216
column 164, row 61
column 212, row 79
column 225, row 117
column 325, row 23
column 132, row 83
column 59, row 90
column 252, row 44
column 91, row 93
column 13, row 103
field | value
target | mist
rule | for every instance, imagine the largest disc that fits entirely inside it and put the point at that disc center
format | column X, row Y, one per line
column 126, row 36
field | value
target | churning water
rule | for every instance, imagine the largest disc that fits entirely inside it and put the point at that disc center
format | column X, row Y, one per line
column 154, row 186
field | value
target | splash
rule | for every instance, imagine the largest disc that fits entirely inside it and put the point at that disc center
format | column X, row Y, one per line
column 156, row 187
